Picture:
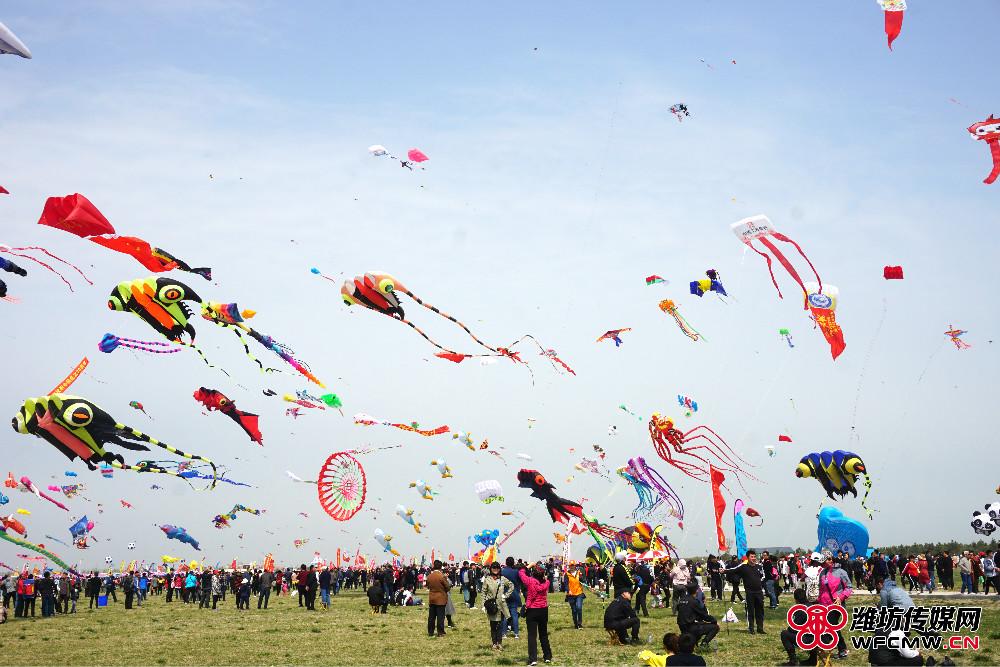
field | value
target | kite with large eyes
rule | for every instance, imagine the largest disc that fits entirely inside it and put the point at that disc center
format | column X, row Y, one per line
column 80, row 429
column 560, row 509
column 837, row 472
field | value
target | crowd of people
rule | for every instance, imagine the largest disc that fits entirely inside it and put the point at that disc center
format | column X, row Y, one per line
column 515, row 592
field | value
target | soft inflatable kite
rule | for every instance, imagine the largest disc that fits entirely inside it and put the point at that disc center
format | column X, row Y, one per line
column 822, row 303
column 695, row 451
column 892, row 272
column 893, row 18
column 666, row 496
column 160, row 303
column 80, row 429
column 837, row 532
column 989, row 131
column 442, row 467
column 647, row 498
column 758, row 228
column 614, row 334
column 837, row 472
column 30, row 486
column 786, row 334
column 687, row 404
column 341, row 486
column 710, row 284
column 10, row 267
column 740, row 529
column 179, row 534
column 385, row 541
column 213, row 399
column 754, row 514
column 380, row 292
column 560, row 509
column 222, row 520
column 111, row 342
column 77, row 215
column 488, row 490
column 423, row 489
column 406, row 515
column 670, row 308
column 985, row 522
column 10, row 522
column 718, row 479
column 136, row 405
column 37, row 548
column 413, row 427
column 956, row 337
column 654, row 280
column 9, row 43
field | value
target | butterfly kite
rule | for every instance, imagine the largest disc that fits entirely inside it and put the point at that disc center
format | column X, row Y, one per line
column 160, row 303
column 214, row 399
column 77, row 215
column 615, row 335
column 956, row 337
column 80, row 429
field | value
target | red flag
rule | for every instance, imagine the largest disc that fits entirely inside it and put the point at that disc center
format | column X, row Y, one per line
column 338, row 557
column 76, row 215
column 720, row 504
column 784, row 438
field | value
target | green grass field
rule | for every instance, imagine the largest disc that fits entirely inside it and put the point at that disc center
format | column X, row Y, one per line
column 347, row 634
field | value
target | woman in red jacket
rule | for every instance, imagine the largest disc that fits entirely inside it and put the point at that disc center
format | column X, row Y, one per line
column 537, row 615
column 912, row 573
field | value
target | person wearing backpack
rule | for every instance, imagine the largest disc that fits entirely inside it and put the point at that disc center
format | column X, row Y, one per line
column 834, row 590
column 496, row 591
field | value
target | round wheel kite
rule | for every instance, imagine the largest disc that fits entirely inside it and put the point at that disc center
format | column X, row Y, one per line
column 341, row 485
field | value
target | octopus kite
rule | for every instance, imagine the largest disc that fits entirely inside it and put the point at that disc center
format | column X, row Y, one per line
column 159, row 302
column 10, row 267
column 670, row 308
column 837, row 472
column 214, row 399
column 666, row 495
column 677, row 448
column 560, row 509
column 77, row 215
column 80, row 429
column 989, row 131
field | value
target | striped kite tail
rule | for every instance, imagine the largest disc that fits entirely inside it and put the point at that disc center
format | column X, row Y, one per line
column 449, row 317
column 139, row 435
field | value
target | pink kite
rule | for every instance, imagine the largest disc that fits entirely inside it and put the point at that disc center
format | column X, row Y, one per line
column 416, row 155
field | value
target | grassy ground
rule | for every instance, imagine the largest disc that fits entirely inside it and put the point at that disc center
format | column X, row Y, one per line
column 177, row 634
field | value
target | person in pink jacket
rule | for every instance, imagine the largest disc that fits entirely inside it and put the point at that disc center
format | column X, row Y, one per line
column 537, row 614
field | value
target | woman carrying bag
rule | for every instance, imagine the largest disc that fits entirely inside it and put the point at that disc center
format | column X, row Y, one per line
column 496, row 590
column 537, row 612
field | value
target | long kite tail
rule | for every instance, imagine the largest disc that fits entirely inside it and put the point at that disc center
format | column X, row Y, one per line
column 449, row 317
column 202, row 355
column 285, row 353
column 238, row 329
column 864, row 498
column 34, row 547
column 688, row 330
column 139, row 435
column 995, row 152
column 431, row 340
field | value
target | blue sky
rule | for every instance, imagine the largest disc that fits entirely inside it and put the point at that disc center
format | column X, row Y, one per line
column 557, row 181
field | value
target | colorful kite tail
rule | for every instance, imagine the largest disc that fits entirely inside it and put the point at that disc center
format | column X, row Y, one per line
column 431, row 340
column 49, row 267
column 139, row 435
column 995, row 153
column 449, row 317
column 864, row 498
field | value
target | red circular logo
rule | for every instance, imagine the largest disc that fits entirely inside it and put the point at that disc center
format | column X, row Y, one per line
column 819, row 627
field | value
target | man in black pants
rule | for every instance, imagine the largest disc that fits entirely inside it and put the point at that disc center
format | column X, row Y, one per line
column 646, row 578
column 621, row 580
column 206, row 588
column 751, row 576
column 620, row 617
column 694, row 619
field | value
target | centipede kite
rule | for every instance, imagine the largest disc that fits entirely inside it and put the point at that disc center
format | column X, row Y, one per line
column 80, row 429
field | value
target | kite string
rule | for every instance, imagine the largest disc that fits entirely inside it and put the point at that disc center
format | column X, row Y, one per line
column 864, row 367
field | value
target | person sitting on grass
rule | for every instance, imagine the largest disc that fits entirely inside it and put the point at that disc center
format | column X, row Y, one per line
column 693, row 618
column 375, row 596
column 619, row 617
column 654, row 659
column 685, row 655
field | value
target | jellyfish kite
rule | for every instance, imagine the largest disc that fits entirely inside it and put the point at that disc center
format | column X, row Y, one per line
column 710, row 284
column 837, row 472
column 893, row 18
column 989, row 131
column 160, row 303
column 80, row 429
column 694, row 451
column 758, row 228
column 670, row 308
column 666, row 494
column 647, row 498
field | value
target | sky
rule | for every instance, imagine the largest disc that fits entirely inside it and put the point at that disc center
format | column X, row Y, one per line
column 234, row 134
